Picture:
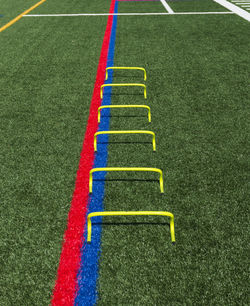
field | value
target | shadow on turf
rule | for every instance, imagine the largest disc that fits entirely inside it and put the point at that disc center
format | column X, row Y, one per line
column 124, row 116
column 126, row 180
column 131, row 223
column 120, row 75
column 125, row 142
column 122, row 94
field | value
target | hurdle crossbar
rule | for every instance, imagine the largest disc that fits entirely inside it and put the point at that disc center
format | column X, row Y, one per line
column 125, row 132
column 131, row 213
column 141, row 169
column 124, row 84
column 126, row 68
column 123, row 106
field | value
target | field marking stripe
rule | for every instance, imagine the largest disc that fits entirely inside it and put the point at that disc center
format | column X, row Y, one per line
column 21, row 15
column 203, row 13
column 66, row 285
column 128, row 14
column 234, row 8
column 89, row 268
column 167, row 7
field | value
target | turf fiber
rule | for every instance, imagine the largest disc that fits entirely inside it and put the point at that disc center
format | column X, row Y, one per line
column 11, row 8
column 73, row 7
column 141, row 7
column 197, row 89
column 196, row 6
column 46, row 81
column 198, row 92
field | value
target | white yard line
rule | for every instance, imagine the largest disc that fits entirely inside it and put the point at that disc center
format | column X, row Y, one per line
column 234, row 8
column 202, row 13
column 167, row 7
column 127, row 14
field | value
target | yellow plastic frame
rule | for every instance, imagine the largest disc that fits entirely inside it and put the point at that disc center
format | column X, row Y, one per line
column 143, row 169
column 124, row 84
column 126, row 68
column 131, row 213
column 123, row 106
column 125, row 132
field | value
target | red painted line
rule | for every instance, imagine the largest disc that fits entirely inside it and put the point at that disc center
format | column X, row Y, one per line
column 66, row 283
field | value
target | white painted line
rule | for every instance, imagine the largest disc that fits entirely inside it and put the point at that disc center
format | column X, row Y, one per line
column 239, row 11
column 167, row 7
column 242, row 3
column 202, row 13
column 127, row 14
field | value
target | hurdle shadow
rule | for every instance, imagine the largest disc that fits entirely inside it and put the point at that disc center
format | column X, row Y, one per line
column 122, row 94
column 125, row 142
column 131, row 223
column 124, row 180
column 127, row 180
column 120, row 75
column 124, row 116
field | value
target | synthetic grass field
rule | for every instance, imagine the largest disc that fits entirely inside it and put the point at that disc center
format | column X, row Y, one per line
column 198, row 91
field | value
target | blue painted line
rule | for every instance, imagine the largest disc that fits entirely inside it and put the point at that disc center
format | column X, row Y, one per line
column 88, row 273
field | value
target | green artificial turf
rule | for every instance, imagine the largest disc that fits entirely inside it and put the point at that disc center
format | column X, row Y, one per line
column 11, row 8
column 141, row 7
column 74, row 7
column 47, row 74
column 198, row 91
column 196, row 6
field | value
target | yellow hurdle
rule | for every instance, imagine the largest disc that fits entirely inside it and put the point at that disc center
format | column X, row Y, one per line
column 125, row 132
column 131, row 213
column 124, row 84
column 143, row 169
column 123, row 106
column 126, row 68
